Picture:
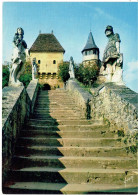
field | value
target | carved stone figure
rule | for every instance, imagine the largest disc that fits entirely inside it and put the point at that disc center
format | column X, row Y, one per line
column 34, row 69
column 18, row 57
column 71, row 68
column 112, row 58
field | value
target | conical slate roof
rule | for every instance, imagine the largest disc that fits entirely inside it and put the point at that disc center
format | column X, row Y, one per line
column 90, row 43
column 46, row 43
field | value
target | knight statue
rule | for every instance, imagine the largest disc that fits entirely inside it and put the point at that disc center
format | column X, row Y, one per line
column 112, row 58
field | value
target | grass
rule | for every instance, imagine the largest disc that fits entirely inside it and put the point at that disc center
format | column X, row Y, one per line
column 85, row 87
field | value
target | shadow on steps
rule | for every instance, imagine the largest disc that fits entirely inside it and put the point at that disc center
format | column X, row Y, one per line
column 33, row 162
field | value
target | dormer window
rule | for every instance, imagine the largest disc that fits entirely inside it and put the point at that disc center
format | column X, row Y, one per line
column 54, row 61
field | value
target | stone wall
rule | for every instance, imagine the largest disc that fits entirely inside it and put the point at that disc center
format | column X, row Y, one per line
column 114, row 104
column 32, row 91
column 17, row 105
column 118, row 104
column 54, row 82
column 80, row 95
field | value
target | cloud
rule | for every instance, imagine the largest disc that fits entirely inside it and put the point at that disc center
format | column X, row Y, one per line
column 104, row 14
column 131, row 71
column 100, row 13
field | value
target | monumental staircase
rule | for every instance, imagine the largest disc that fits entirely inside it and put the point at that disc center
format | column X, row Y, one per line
column 60, row 151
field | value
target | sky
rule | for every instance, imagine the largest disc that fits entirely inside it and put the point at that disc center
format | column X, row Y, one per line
column 71, row 23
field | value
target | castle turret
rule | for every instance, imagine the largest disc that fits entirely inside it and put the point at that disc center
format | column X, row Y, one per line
column 90, row 51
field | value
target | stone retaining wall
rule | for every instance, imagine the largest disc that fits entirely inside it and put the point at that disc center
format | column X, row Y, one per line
column 17, row 105
column 116, row 105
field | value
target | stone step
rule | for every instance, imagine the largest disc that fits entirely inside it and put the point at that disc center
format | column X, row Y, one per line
column 58, row 117
column 72, row 175
column 64, row 188
column 55, row 102
column 63, row 122
column 47, row 101
column 62, row 111
column 57, row 95
column 68, row 134
column 73, row 151
column 54, row 98
column 55, row 107
column 67, row 127
column 72, row 110
column 75, row 142
column 56, row 113
column 74, row 162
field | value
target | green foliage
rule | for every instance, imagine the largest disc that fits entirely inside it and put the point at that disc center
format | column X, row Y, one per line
column 120, row 133
column 28, row 67
column 25, row 79
column 5, row 76
column 86, row 74
column 63, row 71
column 133, row 149
column 79, row 72
column 26, row 76
column 86, row 88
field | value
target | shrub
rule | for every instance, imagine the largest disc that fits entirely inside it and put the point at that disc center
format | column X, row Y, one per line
column 5, row 76
column 26, row 76
column 86, row 74
column 79, row 72
column 63, row 71
column 25, row 79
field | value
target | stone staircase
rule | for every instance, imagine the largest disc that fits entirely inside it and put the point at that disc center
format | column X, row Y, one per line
column 59, row 151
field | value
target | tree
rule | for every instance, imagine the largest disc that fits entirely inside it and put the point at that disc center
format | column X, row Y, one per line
column 26, row 76
column 90, row 74
column 5, row 76
column 86, row 74
column 79, row 72
column 63, row 71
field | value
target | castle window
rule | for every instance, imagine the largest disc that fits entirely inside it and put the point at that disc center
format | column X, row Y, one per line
column 39, row 61
column 90, row 51
column 94, row 51
column 54, row 61
column 86, row 53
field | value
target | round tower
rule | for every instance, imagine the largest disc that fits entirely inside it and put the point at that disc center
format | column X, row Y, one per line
column 91, row 51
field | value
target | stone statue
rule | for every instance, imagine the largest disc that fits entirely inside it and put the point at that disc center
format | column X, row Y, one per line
column 112, row 58
column 71, row 68
column 34, row 69
column 18, row 57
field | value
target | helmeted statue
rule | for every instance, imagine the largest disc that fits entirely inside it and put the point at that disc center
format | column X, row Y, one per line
column 112, row 58
column 71, row 68
column 18, row 57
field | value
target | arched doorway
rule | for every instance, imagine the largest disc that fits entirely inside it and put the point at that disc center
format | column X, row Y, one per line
column 46, row 87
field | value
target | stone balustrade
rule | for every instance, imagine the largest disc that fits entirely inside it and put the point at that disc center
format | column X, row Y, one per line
column 17, row 105
column 80, row 95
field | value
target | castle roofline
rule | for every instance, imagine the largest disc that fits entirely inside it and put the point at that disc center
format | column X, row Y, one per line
column 90, row 43
column 46, row 42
